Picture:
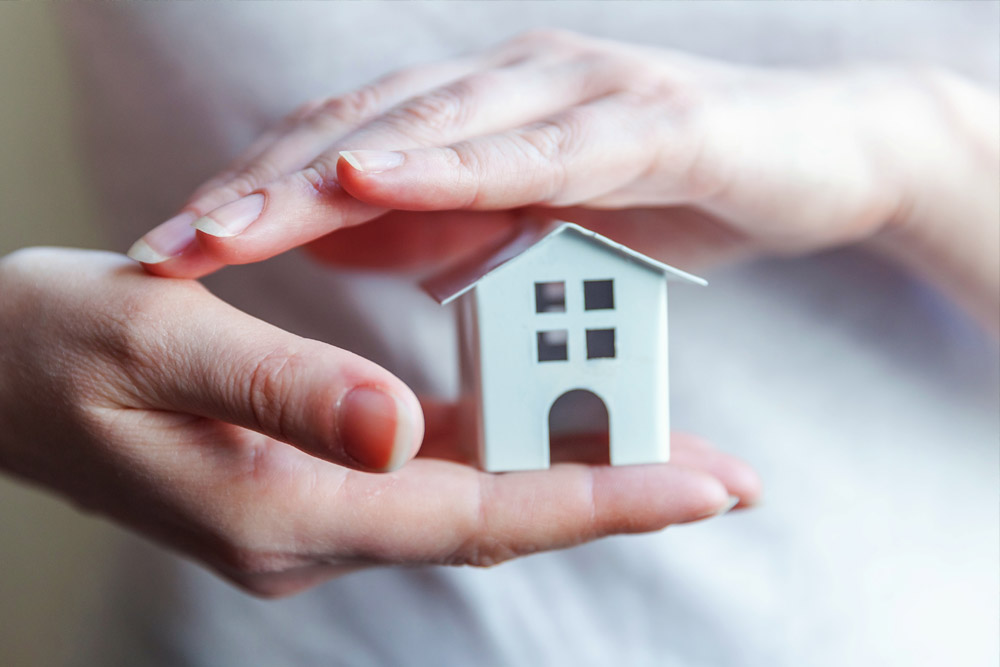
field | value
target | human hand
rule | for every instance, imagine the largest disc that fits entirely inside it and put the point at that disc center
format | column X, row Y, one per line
column 236, row 443
column 681, row 157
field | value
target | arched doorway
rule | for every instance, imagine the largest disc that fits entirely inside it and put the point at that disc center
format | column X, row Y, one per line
column 579, row 428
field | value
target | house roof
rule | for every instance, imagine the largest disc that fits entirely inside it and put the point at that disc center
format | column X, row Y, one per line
column 457, row 280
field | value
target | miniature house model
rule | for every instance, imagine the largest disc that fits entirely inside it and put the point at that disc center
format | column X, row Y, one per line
column 560, row 311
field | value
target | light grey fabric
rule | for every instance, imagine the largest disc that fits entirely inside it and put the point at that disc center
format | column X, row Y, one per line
column 868, row 404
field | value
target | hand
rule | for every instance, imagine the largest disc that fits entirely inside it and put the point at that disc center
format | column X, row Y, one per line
column 685, row 159
column 253, row 450
column 670, row 150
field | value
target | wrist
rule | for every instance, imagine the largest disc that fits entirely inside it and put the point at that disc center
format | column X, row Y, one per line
column 938, row 136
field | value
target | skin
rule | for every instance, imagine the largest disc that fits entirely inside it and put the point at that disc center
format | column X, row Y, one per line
column 213, row 432
column 689, row 160
column 155, row 403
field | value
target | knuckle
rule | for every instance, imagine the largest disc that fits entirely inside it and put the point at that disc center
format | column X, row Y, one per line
column 137, row 334
column 463, row 156
column 351, row 107
column 234, row 556
column 142, row 315
column 303, row 111
column 546, row 140
column 465, row 160
column 268, row 386
column 232, row 189
column 320, row 175
column 549, row 143
column 253, row 176
column 249, row 544
column 437, row 111
column 260, row 587
column 483, row 552
column 208, row 191
column 476, row 86
column 671, row 96
column 237, row 185
column 253, row 570
column 485, row 545
column 137, row 338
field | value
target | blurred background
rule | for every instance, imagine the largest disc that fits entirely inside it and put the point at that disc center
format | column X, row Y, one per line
column 49, row 552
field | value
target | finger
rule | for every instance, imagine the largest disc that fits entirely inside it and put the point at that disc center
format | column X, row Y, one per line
column 483, row 102
column 442, row 440
column 170, row 249
column 344, row 522
column 293, row 211
column 476, row 518
column 174, row 248
column 367, row 102
column 289, row 521
column 242, row 163
column 615, row 143
column 216, row 362
column 311, row 129
column 741, row 481
column 482, row 519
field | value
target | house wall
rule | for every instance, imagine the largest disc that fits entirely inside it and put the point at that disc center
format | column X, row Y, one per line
column 518, row 391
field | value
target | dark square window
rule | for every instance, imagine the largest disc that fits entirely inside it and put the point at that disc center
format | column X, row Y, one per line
column 598, row 294
column 552, row 345
column 550, row 297
column 600, row 343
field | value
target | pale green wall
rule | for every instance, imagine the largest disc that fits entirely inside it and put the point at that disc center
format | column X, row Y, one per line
column 42, row 195
column 48, row 551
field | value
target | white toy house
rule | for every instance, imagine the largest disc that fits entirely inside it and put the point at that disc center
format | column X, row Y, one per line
column 560, row 312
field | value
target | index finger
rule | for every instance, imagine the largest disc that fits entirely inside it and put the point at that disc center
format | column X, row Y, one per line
column 171, row 249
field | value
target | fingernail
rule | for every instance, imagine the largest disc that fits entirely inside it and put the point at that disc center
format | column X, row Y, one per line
column 373, row 162
column 375, row 429
column 233, row 218
column 166, row 240
column 733, row 502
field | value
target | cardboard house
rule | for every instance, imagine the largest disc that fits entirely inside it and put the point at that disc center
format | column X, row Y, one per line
column 559, row 314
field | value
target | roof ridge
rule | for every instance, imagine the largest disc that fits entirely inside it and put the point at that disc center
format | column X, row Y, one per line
column 456, row 280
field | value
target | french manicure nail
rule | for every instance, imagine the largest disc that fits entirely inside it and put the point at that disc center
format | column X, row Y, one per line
column 373, row 162
column 166, row 240
column 232, row 218
column 375, row 429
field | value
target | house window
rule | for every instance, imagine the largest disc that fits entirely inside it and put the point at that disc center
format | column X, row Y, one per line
column 598, row 294
column 550, row 297
column 552, row 345
column 600, row 343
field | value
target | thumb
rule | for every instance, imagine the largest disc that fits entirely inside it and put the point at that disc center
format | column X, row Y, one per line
column 224, row 364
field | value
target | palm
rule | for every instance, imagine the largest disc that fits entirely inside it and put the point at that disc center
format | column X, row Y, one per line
column 436, row 509
column 406, row 240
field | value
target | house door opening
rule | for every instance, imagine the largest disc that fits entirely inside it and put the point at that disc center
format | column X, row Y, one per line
column 579, row 428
